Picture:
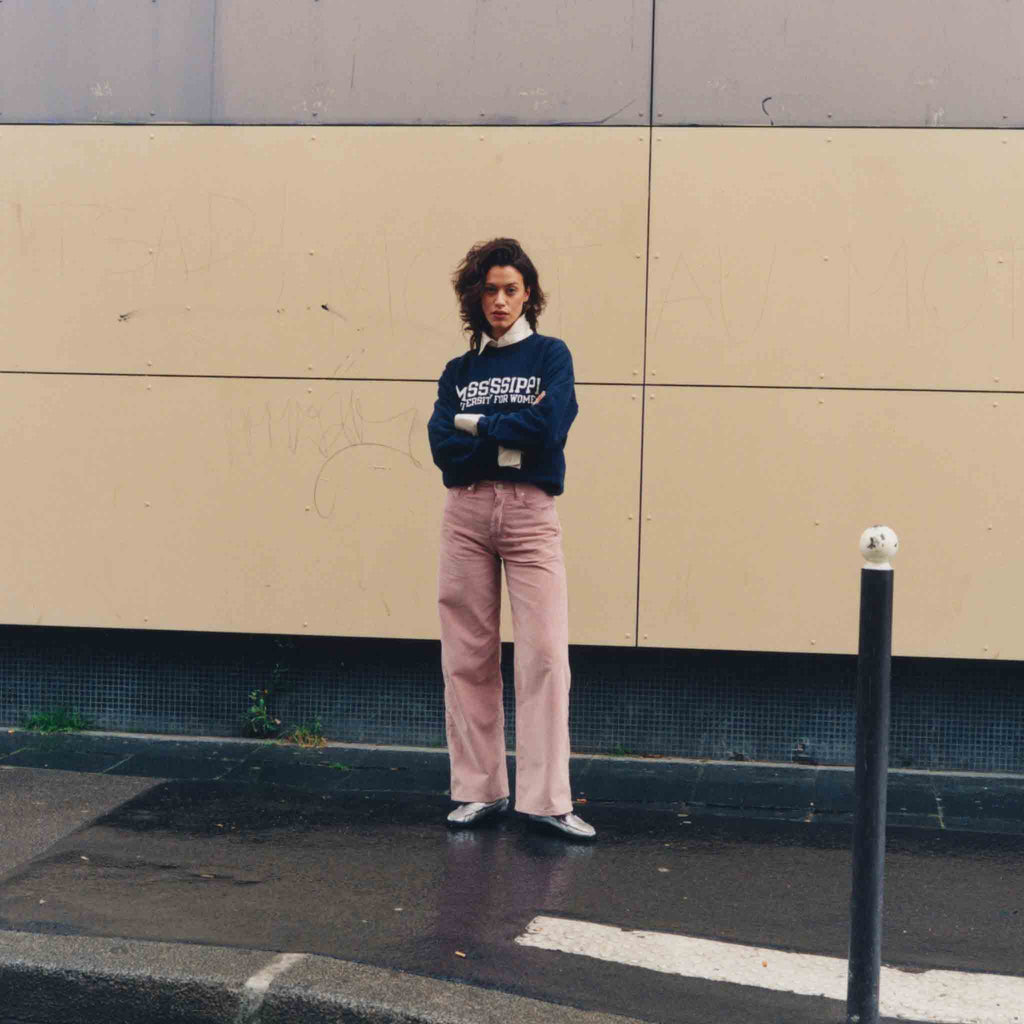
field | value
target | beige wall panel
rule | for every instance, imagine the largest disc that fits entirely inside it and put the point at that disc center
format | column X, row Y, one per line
column 219, row 505
column 213, row 250
column 268, row 506
column 867, row 258
column 754, row 502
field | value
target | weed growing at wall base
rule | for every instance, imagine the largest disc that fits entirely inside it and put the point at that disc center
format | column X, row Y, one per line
column 257, row 720
column 311, row 734
column 59, row 720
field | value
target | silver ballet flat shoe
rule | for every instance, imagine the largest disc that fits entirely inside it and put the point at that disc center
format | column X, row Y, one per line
column 570, row 824
column 469, row 814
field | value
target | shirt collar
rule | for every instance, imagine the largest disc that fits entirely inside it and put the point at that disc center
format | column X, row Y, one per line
column 517, row 332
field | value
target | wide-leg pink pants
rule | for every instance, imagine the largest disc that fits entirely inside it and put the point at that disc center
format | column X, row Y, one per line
column 485, row 526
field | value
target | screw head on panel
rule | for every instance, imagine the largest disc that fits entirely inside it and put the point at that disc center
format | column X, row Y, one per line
column 878, row 544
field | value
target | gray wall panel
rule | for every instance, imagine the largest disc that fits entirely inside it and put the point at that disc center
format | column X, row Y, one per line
column 326, row 61
column 908, row 63
column 448, row 61
column 106, row 60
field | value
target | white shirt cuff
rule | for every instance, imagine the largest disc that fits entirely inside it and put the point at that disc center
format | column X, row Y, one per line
column 467, row 421
column 510, row 458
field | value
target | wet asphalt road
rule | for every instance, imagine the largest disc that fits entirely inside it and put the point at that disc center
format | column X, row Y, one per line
column 375, row 877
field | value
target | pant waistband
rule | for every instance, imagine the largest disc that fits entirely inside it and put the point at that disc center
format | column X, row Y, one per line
column 500, row 486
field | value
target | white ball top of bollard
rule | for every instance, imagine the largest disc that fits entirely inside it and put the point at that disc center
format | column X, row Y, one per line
column 878, row 544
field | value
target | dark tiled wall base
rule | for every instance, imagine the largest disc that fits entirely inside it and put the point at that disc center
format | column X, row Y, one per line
column 954, row 715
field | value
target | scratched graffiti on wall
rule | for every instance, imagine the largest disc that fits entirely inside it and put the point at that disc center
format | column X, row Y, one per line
column 342, row 445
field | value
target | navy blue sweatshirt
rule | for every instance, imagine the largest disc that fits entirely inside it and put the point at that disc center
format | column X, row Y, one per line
column 501, row 384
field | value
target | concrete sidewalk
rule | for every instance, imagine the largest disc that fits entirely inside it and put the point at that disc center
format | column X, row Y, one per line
column 975, row 801
column 103, row 860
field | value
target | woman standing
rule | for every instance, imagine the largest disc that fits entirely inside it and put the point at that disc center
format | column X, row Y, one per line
column 498, row 434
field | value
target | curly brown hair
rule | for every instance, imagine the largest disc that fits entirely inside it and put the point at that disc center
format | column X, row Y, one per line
column 471, row 274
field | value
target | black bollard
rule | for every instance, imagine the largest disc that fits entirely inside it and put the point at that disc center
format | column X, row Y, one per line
column 874, row 657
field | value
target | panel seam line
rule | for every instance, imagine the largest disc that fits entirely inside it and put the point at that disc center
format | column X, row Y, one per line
column 647, row 285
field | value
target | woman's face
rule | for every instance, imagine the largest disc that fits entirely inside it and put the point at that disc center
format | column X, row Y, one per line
column 503, row 298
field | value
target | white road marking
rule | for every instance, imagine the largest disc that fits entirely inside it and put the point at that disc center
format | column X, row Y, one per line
column 255, row 989
column 261, row 980
column 942, row 997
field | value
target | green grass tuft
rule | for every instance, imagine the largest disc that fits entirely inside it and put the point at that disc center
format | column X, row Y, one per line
column 59, row 720
column 311, row 734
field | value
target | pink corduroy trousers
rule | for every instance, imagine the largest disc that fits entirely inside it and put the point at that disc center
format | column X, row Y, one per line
column 487, row 525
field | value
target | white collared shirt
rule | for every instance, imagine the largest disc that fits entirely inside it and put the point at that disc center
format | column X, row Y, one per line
column 517, row 332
